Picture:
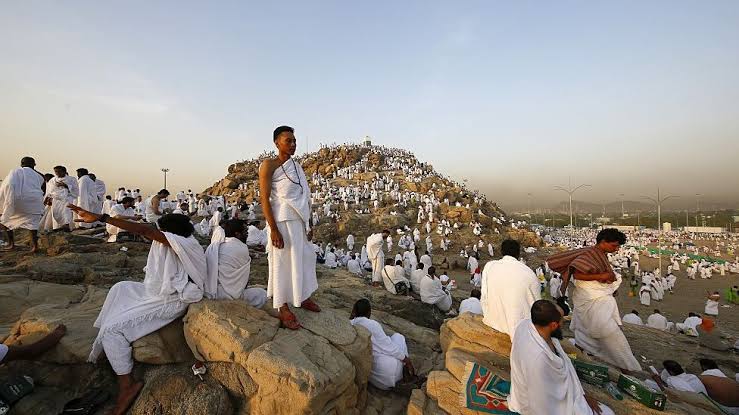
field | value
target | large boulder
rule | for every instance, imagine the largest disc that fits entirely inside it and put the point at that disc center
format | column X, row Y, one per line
column 469, row 333
column 227, row 331
column 18, row 296
column 75, row 346
column 172, row 389
column 299, row 372
column 166, row 345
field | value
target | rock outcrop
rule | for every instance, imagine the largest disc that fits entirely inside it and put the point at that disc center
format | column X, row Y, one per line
column 322, row 368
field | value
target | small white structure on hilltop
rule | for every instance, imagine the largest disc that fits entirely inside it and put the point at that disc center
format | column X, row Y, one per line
column 367, row 141
column 667, row 227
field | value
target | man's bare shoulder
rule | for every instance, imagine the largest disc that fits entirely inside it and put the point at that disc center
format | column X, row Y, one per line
column 269, row 165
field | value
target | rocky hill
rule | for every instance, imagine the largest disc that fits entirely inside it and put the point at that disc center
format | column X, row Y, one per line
column 464, row 205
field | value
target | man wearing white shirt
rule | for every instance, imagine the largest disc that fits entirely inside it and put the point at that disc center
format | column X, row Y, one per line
column 354, row 267
column 633, row 318
column 389, row 353
column 472, row 304
column 22, row 202
column 710, row 368
column 509, row 288
column 673, row 376
column 658, row 321
column 330, row 259
column 432, row 292
column 123, row 210
column 690, row 324
column 376, row 256
column 229, row 266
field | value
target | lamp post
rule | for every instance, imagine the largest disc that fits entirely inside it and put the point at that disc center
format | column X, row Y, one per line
column 529, row 207
column 622, row 205
column 697, row 207
column 165, row 170
column 658, row 201
column 570, row 191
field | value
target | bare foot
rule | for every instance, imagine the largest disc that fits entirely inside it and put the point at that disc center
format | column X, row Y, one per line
column 126, row 397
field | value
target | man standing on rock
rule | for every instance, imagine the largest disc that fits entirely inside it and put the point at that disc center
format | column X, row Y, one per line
column 376, row 255
column 285, row 199
column 22, row 202
column 61, row 191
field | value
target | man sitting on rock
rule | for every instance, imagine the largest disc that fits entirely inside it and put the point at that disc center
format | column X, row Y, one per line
column 472, row 304
column 543, row 379
column 175, row 274
column 353, row 266
column 229, row 265
column 417, row 276
column 392, row 275
column 432, row 292
column 509, row 287
column 389, row 353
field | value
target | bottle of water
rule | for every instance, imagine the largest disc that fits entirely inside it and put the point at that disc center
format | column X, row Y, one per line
column 613, row 391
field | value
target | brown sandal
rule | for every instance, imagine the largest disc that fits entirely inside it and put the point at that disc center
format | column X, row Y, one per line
column 310, row 306
column 289, row 321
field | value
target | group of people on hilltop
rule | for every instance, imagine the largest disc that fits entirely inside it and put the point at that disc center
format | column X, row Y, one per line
column 180, row 272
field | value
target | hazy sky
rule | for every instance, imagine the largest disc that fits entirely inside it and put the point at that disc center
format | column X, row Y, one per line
column 514, row 96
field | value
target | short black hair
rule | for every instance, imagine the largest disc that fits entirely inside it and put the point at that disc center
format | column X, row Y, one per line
column 476, row 293
column 82, row 171
column 281, row 129
column 634, row 312
column 232, row 226
column 164, row 192
column 27, row 161
column 432, row 271
column 656, row 311
column 177, row 224
column 510, row 247
column 64, row 169
column 389, row 261
column 544, row 312
column 127, row 199
column 672, row 367
column 611, row 235
column 420, row 265
column 109, row 197
column 707, row 364
column 362, row 308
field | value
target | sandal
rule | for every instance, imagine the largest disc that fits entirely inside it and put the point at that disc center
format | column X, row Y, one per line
column 289, row 321
column 310, row 306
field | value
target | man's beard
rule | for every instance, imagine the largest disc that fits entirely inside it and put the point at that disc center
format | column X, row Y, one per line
column 557, row 334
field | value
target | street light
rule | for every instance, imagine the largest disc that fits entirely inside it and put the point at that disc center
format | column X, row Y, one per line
column 697, row 207
column 658, row 201
column 622, row 205
column 570, row 191
column 529, row 196
column 165, row 177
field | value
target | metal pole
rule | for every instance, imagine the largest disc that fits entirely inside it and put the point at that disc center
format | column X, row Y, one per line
column 165, row 170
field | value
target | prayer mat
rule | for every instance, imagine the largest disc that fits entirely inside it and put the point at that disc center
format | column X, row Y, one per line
column 485, row 391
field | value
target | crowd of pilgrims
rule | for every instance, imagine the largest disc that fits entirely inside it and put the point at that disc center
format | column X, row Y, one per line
column 506, row 292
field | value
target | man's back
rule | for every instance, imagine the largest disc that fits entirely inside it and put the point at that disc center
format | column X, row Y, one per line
column 234, row 265
column 509, row 288
column 657, row 321
column 430, row 290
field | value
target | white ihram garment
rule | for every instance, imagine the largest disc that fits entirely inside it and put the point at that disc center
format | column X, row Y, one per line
column 174, row 278
column 21, row 199
column 354, row 267
column 433, row 293
column 509, row 288
column 61, row 197
column 542, row 382
column 388, row 353
column 376, row 255
column 596, row 323
column 117, row 211
column 87, row 198
column 470, row 305
column 229, row 265
column 292, row 269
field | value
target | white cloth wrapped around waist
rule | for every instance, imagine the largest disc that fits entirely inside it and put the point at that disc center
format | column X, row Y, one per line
column 290, row 196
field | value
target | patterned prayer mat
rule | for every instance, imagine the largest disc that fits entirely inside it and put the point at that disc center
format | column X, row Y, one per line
column 485, row 391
